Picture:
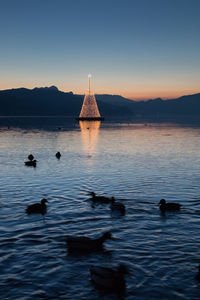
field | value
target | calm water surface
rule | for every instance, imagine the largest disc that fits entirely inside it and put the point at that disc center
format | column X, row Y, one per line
column 137, row 163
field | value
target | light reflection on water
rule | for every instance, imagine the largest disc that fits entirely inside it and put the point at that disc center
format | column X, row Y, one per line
column 89, row 134
column 137, row 163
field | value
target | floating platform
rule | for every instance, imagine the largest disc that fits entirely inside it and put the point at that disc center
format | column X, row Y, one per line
column 90, row 118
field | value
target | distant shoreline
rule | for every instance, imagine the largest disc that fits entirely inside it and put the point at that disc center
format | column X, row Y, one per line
column 49, row 101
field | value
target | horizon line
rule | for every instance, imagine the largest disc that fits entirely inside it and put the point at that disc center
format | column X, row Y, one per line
column 111, row 94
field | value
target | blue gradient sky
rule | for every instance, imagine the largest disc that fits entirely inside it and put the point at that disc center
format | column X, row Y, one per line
column 139, row 49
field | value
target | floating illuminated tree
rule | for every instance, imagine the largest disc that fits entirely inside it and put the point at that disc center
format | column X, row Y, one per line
column 89, row 110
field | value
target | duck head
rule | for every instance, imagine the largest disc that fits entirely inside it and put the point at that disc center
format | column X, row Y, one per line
column 92, row 194
column 30, row 157
column 162, row 202
column 107, row 236
column 43, row 201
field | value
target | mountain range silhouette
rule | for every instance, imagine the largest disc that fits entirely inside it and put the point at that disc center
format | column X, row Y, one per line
column 49, row 101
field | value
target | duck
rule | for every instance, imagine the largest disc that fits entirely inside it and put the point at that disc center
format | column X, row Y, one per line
column 85, row 244
column 37, row 208
column 100, row 199
column 31, row 163
column 117, row 206
column 31, row 157
column 58, row 155
column 168, row 206
column 197, row 277
column 108, row 278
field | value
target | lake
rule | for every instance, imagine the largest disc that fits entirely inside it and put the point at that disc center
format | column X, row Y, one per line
column 138, row 163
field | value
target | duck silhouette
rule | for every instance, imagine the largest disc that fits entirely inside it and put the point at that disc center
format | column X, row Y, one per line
column 164, row 206
column 31, row 163
column 117, row 206
column 37, row 208
column 100, row 199
column 58, row 155
column 85, row 244
column 108, row 278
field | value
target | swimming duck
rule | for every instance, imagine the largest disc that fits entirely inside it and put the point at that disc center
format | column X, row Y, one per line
column 100, row 199
column 117, row 206
column 37, row 208
column 107, row 278
column 168, row 206
column 83, row 243
column 197, row 277
column 58, row 155
column 31, row 163
column 31, row 157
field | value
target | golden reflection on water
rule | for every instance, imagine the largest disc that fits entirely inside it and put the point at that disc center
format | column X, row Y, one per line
column 89, row 133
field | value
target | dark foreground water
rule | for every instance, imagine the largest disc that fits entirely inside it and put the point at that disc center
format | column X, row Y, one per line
column 137, row 163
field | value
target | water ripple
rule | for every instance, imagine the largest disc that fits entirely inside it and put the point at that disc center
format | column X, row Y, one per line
column 128, row 162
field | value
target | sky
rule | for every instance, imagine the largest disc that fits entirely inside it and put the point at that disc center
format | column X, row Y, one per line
column 140, row 49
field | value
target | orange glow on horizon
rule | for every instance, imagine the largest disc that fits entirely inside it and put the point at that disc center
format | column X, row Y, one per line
column 134, row 94
column 139, row 96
